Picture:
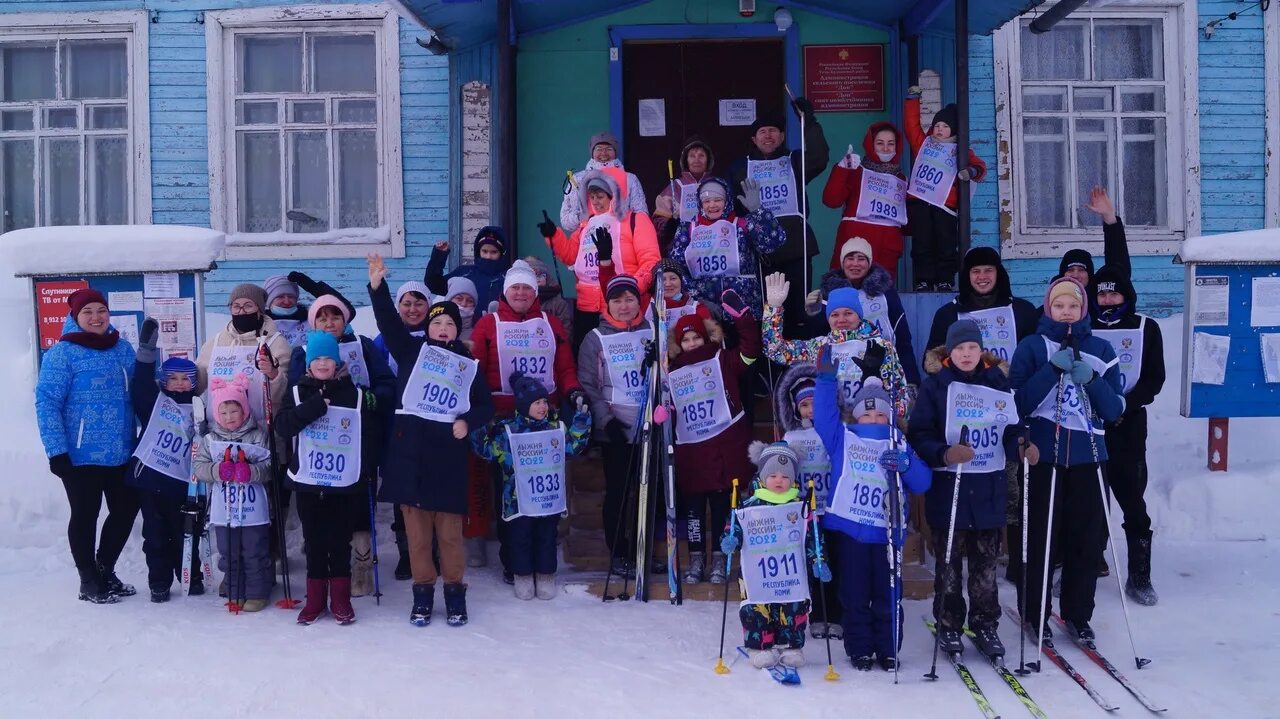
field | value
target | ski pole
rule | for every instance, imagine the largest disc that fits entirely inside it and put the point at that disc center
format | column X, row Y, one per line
column 1022, row 575
column 728, row 564
column 895, row 529
column 831, row 675
column 373, row 537
column 800, row 192
column 1048, row 536
column 946, row 561
column 235, row 564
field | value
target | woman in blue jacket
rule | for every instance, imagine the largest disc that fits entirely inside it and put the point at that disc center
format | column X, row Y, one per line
column 87, row 428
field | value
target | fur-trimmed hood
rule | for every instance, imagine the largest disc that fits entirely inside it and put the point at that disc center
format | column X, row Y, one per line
column 876, row 283
column 783, row 408
column 938, row 357
column 616, row 180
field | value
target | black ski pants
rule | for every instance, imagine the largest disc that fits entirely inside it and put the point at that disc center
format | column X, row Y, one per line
column 1127, row 472
column 163, row 529
column 86, row 487
column 326, row 528
column 935, row 242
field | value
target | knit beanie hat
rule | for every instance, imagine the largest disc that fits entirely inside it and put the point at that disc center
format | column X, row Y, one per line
column 666, row 264
column 327, row 301
column 416, row 288
column 1065, row 286
column 949, row 115
column 488, row 236
column 82, row 297
column 1076, row 258
column 234, row 390
column 445, row 307
column 870, row 396
column 278, row 286
column 248, row 291
column 802, row 390
column 519, row 274
column 526, row 390
column 963, row 331
column 856, row 244
column 599, row 183
column 603, row 138
column 711, row 188
column 620, row 284
column 178, row 365
column 769, row 120
column 461, row 286
column 322, row 344
column 687, row 324
column 846, row 298
column 776, row 458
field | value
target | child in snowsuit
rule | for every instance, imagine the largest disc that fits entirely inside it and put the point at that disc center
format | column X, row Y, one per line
column 490, row 262
column 1068, row 382
column 711, row 431
column 425, row 472
column 533, row 488
column 793, row 406
column 159, row 469
column 774, row 633
column 234, row 457
column 335, row 451
column 978, row 380
column 866, row 456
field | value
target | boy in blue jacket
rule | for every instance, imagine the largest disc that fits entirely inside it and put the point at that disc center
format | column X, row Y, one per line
column 1068, row 382
column 963, row 424
column 864, row 460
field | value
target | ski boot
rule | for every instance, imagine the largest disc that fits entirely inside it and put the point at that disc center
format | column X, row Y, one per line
column 253, row 605
column 546, row 586
column 887, row 662
column 1081, row 632
column 524, row 586
column 988, row 642
column 819, row 630
column 791, row 656
column 764, row 658
column 340, row 600
column 424, row 597
column 835, row 631
column 508, row 577
column 159, row 596
column 697, row 569
column 862, row 662
column 1138, row 585
column 719, row 568
column 1104, row 570
column 455, row 604
column 949, row 641
column 112, row 584
column 92, row 589
column 317, row 595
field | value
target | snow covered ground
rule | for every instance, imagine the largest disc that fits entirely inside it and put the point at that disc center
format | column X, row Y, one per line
column 1212, row 637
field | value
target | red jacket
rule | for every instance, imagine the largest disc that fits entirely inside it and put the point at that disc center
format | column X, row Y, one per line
column 484, row 347
column 843, row 188
column 911, row 111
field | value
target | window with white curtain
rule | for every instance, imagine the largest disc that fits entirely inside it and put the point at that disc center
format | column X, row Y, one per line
column 66, row 131
column 308, row 150
column 1095, row 101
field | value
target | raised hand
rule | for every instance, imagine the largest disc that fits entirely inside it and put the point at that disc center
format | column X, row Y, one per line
column 1100, row 203
column 377, row 270
column 776, row 289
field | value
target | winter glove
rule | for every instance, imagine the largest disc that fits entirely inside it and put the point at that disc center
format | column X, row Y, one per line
column 616, row 431
column 850, row 161
column 821, row 571
column 914, row 92
column 967, row 173
column 60, row 465
column 1062, row 359
column 1081, row 373
column 307, row 284
column 660, row 414
column 729, row 543
column 1028, row 451
column 650, row 354
column 227, row 471
column 148, row 335
column 872, row 360
column 813, row 303
column 370, row 400
column 243, row 473
column 732, row 304
column 750, row 197
column 547, row 228
column 577, row 399
column 958, row 454
column 803, row 107
column 776, row 289
column 825, row 365
column 896, row 460
column 604, row 244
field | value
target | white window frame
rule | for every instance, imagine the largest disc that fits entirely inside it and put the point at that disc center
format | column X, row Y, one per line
column 133, row 27
column 221, row 28
column 1182, row 132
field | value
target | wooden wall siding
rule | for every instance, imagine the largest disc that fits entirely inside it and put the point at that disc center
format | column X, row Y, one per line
column 476, row 163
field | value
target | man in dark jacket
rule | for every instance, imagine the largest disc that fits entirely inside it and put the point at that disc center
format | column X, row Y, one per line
column 1139, row 349
column 986, row 297
column 776, row 168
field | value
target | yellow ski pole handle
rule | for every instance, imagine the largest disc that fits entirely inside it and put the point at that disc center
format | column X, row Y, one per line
column 671, row 171
column 569, row 174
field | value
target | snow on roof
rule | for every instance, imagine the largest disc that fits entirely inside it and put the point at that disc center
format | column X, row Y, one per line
column 1248, row 246
column 109, row 248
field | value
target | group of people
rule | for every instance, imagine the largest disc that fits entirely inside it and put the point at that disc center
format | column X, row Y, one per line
column 483, row 381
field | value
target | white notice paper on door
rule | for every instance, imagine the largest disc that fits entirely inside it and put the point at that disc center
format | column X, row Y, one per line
column 1264, row 309
column 737, row 112
column 1211, row 298
column 1209, row 358
column 653, row 117
column 1270, row 357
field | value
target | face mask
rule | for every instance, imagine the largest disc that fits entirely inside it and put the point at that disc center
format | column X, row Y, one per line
column 466, row 312
column 885, row 156
column 246, row 323
column 281, row 311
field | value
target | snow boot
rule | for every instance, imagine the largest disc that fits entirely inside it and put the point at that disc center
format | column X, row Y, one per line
column 949, row 641
column 887, row 662
column 362, row 564
column 819, row 630
column 697, row 569
column 340, row 600
column 455, row 604
column 159, row 596
column 764, row 658
column 719, row 570
column 1138, row 586
column 112, row 584
column 1104, row 570
column 1081, row 632
column 508, row 577
column 403, row 570
column 546, row 584
column 791, row 657
column 197, row 586
column 835, row 631
column 477, row 552
column 524, row 586
column 317, row 596
column 222, row 587
column 424, row 598
column 254, row 605
column 988, row 642
column 92, row 589
column 621, row 567
column 862, row 662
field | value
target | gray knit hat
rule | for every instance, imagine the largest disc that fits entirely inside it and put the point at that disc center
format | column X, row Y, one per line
column 603, row 138
column 963, row 331
column 248, row 291
column 775, row 458
column 871, row 396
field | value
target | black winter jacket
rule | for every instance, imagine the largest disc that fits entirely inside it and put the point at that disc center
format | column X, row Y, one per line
column 304, row 403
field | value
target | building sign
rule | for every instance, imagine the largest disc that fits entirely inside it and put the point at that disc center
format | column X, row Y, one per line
column 52, row 309
column 844, row 78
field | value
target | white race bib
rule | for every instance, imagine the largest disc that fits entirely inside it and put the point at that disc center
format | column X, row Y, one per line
column 238, row 505
column 528, row 346
column 985, row 412
column 876, row 311
column 293, row 331
column 773, row 558
column 439, row 387
column 848, row 373
column 587, row 266
column 328, row 449
column 860, row 494
column 623, row 353
column 702, row 407
column 999, row 330
column 227, row 361
column 814, row 463
column 1073, row 416
column 165, row 446
column 688, row 201
column 391, row 359
column 882, row 199
column 713, row 250
column 933, row 173
column 538, row 459
column 1128, row 347
column 352, row 354
column 777, row 185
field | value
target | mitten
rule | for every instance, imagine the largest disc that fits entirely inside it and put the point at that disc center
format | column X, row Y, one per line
column 750, row 197
column 804, row 107
column 616, row 431
column 227, row 471
column 872, row 360
column 547, row 228
column 1081, row 372
column 825, row 365
column 958, row 454
column 60, row 465
column 243, row 473
column 1062, row 359
column 896, row 460
column 1029, row 451
column 813, row 303
column 148, row 335
column 776, row 288
column 732, row 304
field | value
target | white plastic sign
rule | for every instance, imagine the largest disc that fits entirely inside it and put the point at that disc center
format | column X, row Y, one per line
column 587, row 265
column 998, row 328
column 165, row 446
column 328, row 449
column 233, row 504
column 713, row 250
column 933, row 173
column 859, row 495
column 702, row 408
column 774, row 567
column 882, row 199
column 439, row 386
column 528, row 347
column 984, row 412
column 814, row 463
column 777, row 185
column 538, row 458
column 1128, row 347
column 623, row 353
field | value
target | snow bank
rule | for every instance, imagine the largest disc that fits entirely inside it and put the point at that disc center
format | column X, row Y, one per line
column 1248, row 246
column 109, row 248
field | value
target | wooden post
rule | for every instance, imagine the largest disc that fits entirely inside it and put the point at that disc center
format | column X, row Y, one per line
column 1218, row 444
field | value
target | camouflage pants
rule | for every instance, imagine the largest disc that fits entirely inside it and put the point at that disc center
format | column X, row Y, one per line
column 982, row 548
column 769, row 625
